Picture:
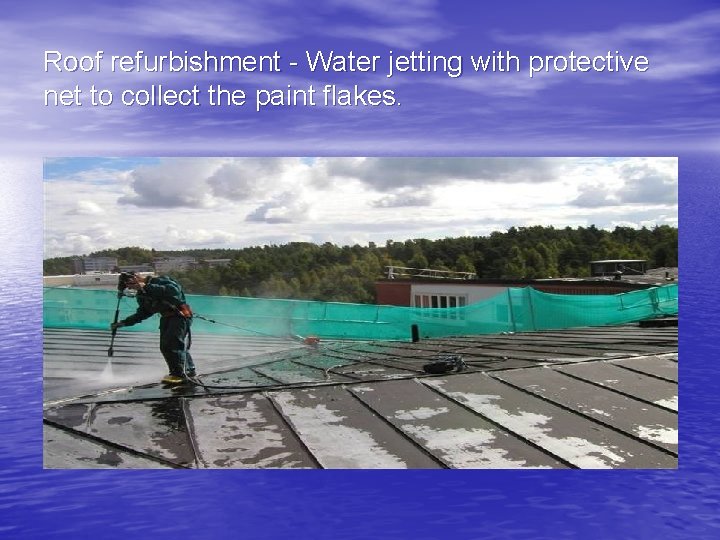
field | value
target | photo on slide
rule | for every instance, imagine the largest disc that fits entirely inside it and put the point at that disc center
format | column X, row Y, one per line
column 361, row 312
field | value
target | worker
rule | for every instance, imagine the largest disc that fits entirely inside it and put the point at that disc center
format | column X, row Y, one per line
column 165, row 296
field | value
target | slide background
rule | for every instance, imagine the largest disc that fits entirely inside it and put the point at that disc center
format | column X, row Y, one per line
column 673, row 112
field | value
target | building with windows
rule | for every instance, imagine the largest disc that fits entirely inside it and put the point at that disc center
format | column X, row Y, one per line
column 214, row 263
column 427, row 289
column 144, row 268
column 90, row 265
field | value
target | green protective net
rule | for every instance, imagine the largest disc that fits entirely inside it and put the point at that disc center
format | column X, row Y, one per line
column 514, row 310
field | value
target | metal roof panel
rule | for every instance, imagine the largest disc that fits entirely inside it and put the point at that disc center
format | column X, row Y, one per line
column 558, row 431
column 585, row 397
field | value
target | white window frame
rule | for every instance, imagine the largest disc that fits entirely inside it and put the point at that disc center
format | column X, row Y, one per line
column 446, row 306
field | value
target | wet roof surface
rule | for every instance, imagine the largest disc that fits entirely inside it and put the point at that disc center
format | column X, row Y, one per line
column 582, row 398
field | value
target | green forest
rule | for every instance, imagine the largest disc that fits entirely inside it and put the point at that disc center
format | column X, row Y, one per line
column 347, row 273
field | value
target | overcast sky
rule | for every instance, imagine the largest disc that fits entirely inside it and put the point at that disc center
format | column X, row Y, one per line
column 182, row 203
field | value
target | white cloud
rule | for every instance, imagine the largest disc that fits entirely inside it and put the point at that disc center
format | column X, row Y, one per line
column 88, row 208
column 247, row 178
column 237, row 202
column 392, row 173
column 632, row 181
column 405, row 197
column 176, row 182
column 209, row 182
column 647, row 184
column 593, row 196
column 198, row 237
column 285, row 208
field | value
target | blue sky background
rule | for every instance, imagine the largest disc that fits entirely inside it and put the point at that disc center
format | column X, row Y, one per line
column 670, row 107
column 669, row 111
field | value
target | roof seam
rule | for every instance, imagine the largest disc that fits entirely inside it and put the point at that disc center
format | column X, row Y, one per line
column 611, row 389
column 439, row 460
column 106, row 443
column 588, row 417
column 288, row 423
column 503, row 428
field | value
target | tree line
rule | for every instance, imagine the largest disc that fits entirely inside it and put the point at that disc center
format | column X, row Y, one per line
column 328, row 272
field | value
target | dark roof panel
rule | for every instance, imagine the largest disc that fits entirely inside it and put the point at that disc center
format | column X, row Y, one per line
column 342, row 433
column 454, row 435
column 650, row 389
column 562, row 433
column 245, row 432
column 62, row 450
column 662, row 367
column 589, row 398
column 653, row 425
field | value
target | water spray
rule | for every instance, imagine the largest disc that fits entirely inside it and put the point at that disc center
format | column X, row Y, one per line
column 114, row 327
column 122, row 284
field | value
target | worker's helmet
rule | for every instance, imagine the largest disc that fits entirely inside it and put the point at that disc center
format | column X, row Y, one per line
column 125, row 278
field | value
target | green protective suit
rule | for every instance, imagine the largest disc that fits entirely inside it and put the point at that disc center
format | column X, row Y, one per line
column 165, row 296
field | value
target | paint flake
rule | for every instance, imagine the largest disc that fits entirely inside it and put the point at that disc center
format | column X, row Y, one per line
column 671, row 403
column 465, row 448
column 334, row 444
column 658, row 433
column 421, row 413
column 238, row 436
column 533, row 427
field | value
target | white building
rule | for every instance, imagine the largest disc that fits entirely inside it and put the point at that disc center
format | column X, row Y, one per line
column 89, row 265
